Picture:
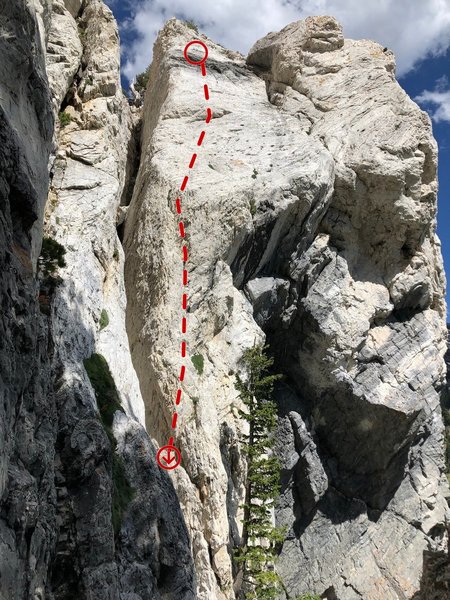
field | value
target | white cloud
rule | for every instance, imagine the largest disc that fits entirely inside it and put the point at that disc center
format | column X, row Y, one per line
column 413, row 29
column 438, row 100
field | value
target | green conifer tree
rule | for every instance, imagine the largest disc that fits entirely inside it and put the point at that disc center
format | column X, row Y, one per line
column 260, row 538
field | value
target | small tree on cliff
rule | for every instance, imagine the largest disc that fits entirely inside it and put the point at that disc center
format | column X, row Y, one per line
column 51, row 257
column 260, row 538
column 141, row 81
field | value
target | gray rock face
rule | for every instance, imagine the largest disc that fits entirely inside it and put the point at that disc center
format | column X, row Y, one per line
column 317, row 191
column 87, row 188
column 362, row 333
column 64, row 50
column 27, row 415
column 248, row 157
column 59, row 470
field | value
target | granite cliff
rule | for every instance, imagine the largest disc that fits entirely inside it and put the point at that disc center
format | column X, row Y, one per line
column 310, row 223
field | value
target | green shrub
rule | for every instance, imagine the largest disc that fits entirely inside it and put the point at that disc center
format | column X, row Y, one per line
column 198, row 362
column 51, row 257
column 192, row 25
column 254, row 174
column 308, row 597
column 108, row 402
column 64, row 119
column 140, row 84
column 104, row 319
column 252, row 207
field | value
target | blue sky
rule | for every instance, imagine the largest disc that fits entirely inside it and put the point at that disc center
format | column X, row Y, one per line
column 428, row 76
column 418, row 31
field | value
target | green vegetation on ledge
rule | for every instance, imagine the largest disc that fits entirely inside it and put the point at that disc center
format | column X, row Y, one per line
column 51, row 257
column 64, row 119
column 198, row 362
column 192, row 25
column 106, row 393
column 108, row 402
column 104, row 319
column 50, row 260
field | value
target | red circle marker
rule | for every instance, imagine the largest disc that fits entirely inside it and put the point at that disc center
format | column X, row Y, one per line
column 168, row 457
column 190, row 60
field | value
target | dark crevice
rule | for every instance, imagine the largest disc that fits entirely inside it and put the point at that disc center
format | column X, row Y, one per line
column 245, row 264
column 134, row 152
column 133, row 161
column 435, row 580
column 165, row 576
column 429, row 169
column 18, row 194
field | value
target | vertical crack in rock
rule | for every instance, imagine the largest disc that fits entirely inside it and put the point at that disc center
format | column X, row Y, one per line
column 132, row 169
column 90, row 178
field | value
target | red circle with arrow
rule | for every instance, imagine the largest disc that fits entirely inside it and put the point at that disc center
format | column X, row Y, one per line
column 168, row 457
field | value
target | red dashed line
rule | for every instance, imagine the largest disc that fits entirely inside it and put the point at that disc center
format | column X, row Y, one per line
column 201, row 138
column 169, row 453
column 178, row 400
column 184, row 184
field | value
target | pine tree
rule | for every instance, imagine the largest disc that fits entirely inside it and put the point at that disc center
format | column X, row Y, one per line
column 51, row 257
column 259, row 538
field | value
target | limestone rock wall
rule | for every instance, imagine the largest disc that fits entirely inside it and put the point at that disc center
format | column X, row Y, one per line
column 310, row 223
column 66, row 116
column 27, row 415
column 310, row 220
column 366, row 322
